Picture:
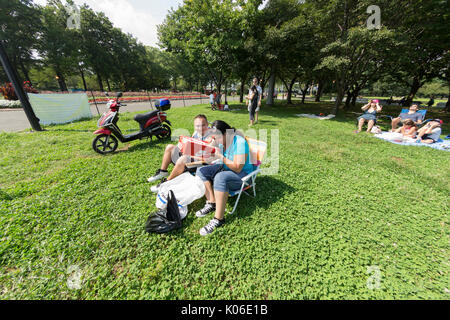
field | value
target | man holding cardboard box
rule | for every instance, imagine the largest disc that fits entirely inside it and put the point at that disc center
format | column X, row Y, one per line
column 173, row 155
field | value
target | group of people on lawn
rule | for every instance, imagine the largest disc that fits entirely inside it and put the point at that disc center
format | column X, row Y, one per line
column 410, row 120
column 221, row 174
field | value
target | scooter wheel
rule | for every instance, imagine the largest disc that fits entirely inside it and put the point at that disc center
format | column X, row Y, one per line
column 167, row 132
column 105, row 144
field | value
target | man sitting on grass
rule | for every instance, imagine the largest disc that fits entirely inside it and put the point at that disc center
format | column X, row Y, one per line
column 430, row 132
column 179, row 160
column 412, row 114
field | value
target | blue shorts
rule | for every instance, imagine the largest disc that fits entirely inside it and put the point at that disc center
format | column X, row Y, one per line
column 223, row 180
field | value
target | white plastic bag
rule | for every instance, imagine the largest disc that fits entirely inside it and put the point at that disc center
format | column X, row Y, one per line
column 376, row 129
column 186, row 189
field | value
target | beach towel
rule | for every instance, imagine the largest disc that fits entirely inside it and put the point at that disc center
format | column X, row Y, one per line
column 398, row 139
column 313, row 116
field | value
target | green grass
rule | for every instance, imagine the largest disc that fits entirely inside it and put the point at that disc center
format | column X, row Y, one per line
column 341, row 203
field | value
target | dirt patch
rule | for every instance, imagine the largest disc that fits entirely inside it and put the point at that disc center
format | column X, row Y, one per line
column 124, row 148
column 399, row 160
column 118, row 269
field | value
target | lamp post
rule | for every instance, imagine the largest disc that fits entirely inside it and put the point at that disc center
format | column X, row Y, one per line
column 17, row 84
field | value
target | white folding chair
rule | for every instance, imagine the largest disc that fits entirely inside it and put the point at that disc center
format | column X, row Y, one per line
column 257, row 152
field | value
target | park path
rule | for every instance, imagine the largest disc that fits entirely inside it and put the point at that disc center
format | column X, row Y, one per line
column 12, row 120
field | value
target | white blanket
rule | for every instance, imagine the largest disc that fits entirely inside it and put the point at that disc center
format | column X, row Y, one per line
column 398, row 138
column 313, row 116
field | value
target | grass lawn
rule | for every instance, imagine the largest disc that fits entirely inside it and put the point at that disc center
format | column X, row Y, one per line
column 342, row 204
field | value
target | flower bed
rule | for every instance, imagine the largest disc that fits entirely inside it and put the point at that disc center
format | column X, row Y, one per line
column 6, row 104
column 7, row 90
column 146, row 98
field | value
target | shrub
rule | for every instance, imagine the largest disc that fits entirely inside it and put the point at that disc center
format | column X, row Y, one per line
column 8, row 92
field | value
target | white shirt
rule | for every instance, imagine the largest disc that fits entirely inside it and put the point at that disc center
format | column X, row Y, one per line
column 196, row 135
column 259, row 92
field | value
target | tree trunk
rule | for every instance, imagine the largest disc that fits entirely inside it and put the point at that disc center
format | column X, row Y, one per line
column 289, row 96
column 347, row 101
column 107, row 83
column 241, row 97
column 100, row 82
column 319, row 91
column 61, row 81
column 416, row 85
column 25, row 72
column 304, row 93
column 269, row 100
column 82, row 77
column 339, row 98
column 354, row 97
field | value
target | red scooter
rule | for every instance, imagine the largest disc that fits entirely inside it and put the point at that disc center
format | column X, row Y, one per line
column 151, row 124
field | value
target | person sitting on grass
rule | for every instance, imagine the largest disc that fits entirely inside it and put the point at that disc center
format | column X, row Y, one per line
column 370, row 115
column 412, row 114
column 173, row 155
column 408, row 130
column 220, row 179
column 430, row 133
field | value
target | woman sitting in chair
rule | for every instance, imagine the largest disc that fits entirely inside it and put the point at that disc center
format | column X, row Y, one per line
column 220, row 179
column 370, row 115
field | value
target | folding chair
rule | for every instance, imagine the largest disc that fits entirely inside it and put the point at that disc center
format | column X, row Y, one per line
column 423, row 112
column 257, row 152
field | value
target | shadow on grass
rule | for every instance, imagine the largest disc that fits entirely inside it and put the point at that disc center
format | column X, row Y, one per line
column 5, row 196
column 265, row 197
column 145, row 145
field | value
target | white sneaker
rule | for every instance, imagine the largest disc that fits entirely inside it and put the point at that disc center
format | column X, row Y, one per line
column 211, row 226
column 155, row 188
column 158, row 175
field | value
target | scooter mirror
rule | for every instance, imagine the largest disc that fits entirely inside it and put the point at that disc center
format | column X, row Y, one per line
column 106, row 94
column 119, row 94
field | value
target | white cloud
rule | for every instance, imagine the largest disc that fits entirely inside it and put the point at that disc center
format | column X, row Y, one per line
column 141, row 23
column 124, row 16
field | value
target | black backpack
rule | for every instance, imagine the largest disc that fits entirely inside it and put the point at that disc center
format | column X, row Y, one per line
column 165, row 221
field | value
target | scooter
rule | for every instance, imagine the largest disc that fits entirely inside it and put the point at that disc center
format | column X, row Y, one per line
column 154, row 123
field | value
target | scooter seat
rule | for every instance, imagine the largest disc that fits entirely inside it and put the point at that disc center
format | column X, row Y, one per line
column 143, row 118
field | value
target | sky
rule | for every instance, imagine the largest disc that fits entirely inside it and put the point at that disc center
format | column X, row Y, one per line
column 138, row 17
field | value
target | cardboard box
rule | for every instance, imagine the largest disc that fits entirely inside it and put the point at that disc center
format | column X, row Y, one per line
column 195, row 148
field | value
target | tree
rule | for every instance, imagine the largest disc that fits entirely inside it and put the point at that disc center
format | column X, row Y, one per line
column 57, row 43
column 206, row 33
column 19, row 29
column 423, row 43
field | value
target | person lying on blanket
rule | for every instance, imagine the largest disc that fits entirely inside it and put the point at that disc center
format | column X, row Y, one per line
column 430, row 133
column 220, row 179
column 173, row 155
column 408, row 130
column 412, row 114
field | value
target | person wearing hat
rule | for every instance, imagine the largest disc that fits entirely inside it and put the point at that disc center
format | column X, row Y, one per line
column 431, row 132
column 370, row 115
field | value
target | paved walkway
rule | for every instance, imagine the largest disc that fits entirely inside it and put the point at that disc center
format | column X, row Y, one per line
column 12, row 120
